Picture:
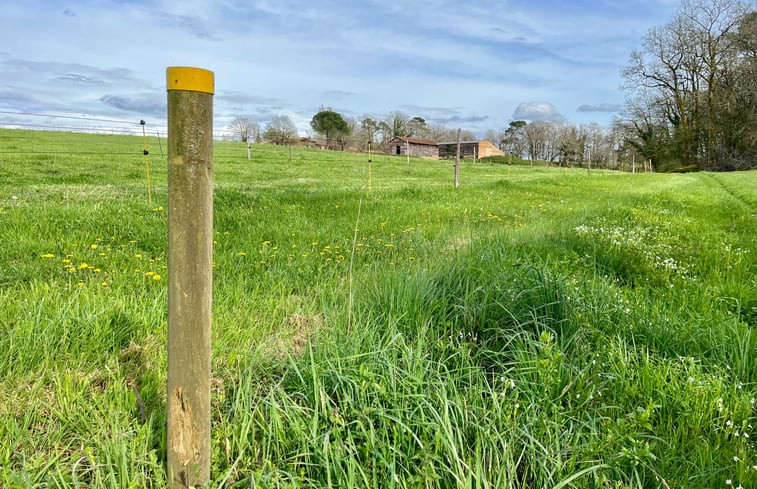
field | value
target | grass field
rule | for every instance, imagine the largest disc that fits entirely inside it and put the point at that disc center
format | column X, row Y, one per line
column 535, row 328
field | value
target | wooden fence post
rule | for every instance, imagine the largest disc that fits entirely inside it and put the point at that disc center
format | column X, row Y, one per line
column 190, row 275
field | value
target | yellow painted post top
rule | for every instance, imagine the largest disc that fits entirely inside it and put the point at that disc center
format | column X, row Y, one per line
column 191, row 79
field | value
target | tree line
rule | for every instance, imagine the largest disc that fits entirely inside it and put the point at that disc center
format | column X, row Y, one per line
column 693, row 89
column 692, row 104
column 333, row 130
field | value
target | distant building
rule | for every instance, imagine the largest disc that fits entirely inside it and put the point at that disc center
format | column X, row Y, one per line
column 469, row 149
column 425, row 148
column 310, row 143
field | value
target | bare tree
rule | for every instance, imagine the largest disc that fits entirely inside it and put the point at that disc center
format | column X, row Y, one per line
column 598, row 148
column 398, row 124
column 539, row 139
column 281, row 130
column 244, row 129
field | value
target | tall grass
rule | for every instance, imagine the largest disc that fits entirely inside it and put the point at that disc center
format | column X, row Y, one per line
column 535, row 328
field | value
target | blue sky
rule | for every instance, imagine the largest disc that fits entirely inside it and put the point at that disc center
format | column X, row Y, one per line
column 471, row 64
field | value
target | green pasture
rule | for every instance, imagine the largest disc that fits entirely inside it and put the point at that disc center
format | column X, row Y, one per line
column 373, row 327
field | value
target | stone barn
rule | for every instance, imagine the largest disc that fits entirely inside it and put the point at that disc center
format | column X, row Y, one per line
column 469, row 149
column 425, row 148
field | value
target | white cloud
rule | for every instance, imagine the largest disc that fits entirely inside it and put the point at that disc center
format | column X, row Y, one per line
column 537, row 111
column 603, row 107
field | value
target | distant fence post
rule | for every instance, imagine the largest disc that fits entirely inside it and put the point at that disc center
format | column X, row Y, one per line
column 370, row 175
column 457, row 161
column 190, row 275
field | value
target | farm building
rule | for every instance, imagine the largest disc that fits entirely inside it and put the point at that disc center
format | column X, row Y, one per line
column 469, row 149
column 425, row 148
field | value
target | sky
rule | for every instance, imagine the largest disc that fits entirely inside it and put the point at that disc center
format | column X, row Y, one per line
column 469, row 64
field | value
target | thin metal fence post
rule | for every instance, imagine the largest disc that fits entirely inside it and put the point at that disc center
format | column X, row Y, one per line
column 457, row 161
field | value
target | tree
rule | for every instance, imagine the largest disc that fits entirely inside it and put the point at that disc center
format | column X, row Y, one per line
column 244, row 129
column 736, row 106
column 598, row 144
column 417, row 127
column 331, row 125
column 369, row 128
column 281, row 130
column 513, row 139
column 688, row 69
column 397, row 125
column 494, row 137
column 538, row 138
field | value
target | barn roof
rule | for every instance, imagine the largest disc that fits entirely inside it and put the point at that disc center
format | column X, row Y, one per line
column 427, row 142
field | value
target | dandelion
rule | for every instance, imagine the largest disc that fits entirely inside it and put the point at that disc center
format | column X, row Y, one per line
column 138, row 256
column 93, row 246
column 104, row 284
column 242, row 253
column 83, row 266
column 48, row 255
column 149, row 274
column 81, row 284
column 156, row 277
column 97, row 270
column 66, row 261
